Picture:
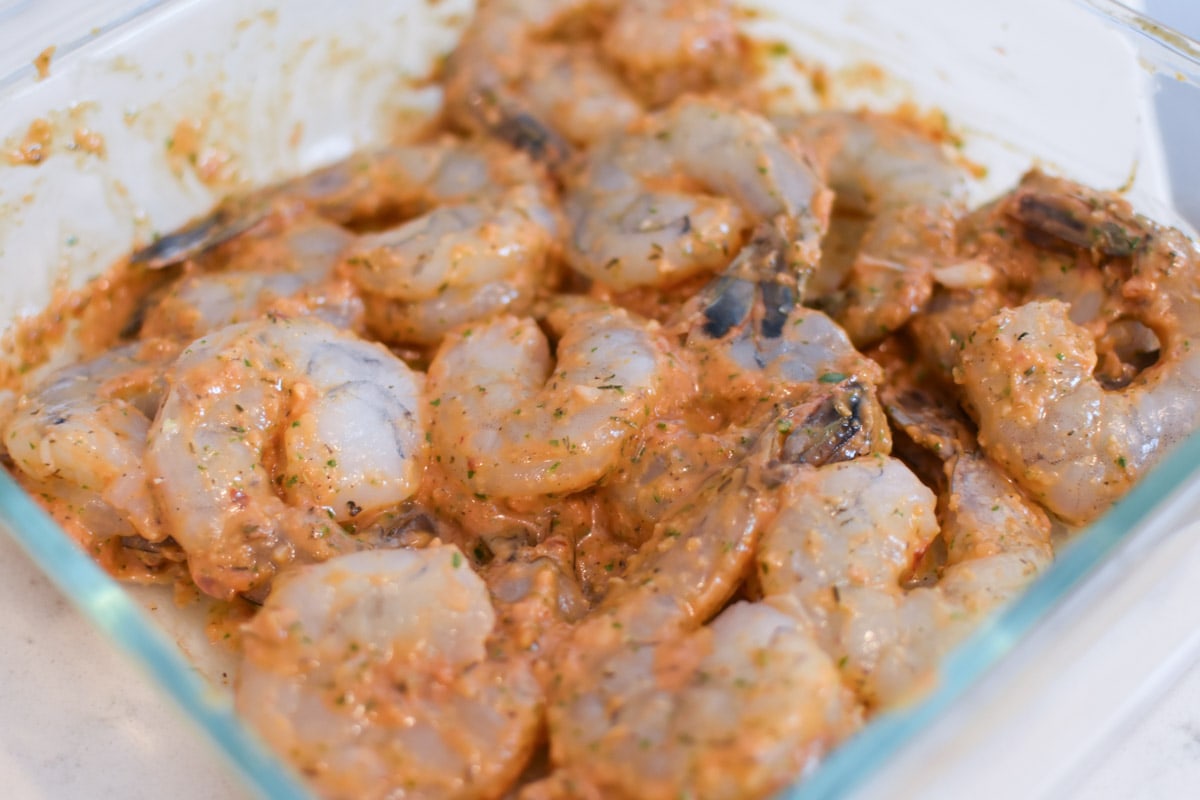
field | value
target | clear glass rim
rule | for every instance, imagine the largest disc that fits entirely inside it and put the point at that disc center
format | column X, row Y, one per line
column 1167, row 47
column 29, row 72
column 113, row 610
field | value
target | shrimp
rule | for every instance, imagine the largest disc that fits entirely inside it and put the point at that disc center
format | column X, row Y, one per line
column 531, row 65
column 506, row 78
column 638, row 213
column 667, row 48
column 520, row 425
column 750, row 342
column 664, row 465
column 479, row 229
column 456, row 264
column 81, row 434
column 734, row 709
column 1027, row 373
column 371, row 672
column 913, row 193
column 752, row 339
column 567, row 87
column 738, row 708
column 1008, row 258
column 273, row 432
column 402, row 180
column 848, row 535
column 996, row 539
column 302, row 258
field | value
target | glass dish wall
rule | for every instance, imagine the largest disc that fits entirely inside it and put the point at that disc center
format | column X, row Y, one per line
column 276, row 89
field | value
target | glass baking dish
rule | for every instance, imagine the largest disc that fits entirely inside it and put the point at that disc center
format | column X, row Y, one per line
column 1072, row 86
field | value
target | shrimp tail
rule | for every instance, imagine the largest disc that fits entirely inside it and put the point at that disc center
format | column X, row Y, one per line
column 758, row 277
column 230, row 219
column 1050, row 209
column 523, row 131
column 839, row 428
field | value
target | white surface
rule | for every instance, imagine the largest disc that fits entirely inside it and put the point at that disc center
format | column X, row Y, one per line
column 76, row 720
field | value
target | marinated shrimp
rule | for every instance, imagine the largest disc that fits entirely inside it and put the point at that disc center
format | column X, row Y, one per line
column 848, row 534
column 81, row 436
column 652, row 523
column 524, row 425
column 664, row 49
column 913, row 194
column 484, row 247
column 750, row 341
column 1026, row 373
column 529, row 73
column 372, row 672
column 675, row 199
column 270, row 434
column 728, row 709
column 290, row 272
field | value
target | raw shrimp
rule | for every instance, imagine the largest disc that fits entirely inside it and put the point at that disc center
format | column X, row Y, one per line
column 506, row 79
column 371, row 672
column 667, row 48
column 81, row 434
column 1027, row 373
column 752, row 339
column 479, row 233
column 566, row 88
column 639, row 214
column 301, row 258
column 647, row 703
column 735, row 709
column 510, row 422
column 913, row 193
column 509, row 76
column 848, row 535
column 455, row 264
column 756, row 352
column 1009, row 255
column 403, row 180
column 270, row 434
column 996, row 540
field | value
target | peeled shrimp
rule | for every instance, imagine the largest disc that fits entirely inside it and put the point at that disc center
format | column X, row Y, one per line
column 82, row 432
column 504, row 79
column 371, row 673
column 302, row 258
column 751, row 338
column 510, row 422
column 479, row 244
column 404, row 179
column 273, row 432
column 913, row 193
column 849, row 533
column 667, row 48
column 563, row 89
column 1027, row 372
column 675, row 198
column 734, row 709
column 756, row 352
column 456, row 264
column 509, row 76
